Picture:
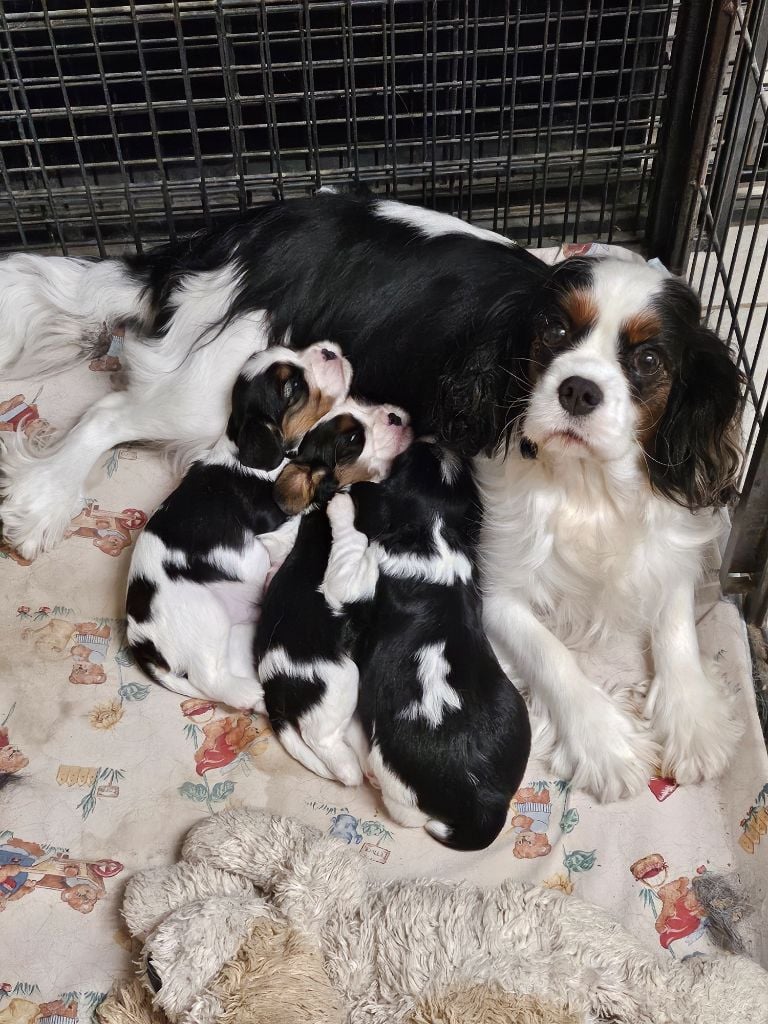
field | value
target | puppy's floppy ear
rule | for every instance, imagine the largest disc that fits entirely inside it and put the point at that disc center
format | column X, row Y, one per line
column 257, row 437
column 259, row 444
column 301, row 484
column 695, row 454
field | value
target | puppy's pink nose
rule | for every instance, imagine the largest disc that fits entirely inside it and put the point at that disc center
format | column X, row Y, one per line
column 394, row 420
column 328, row 355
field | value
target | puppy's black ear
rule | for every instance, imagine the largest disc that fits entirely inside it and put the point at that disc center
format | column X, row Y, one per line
column 695, row 454
column 259, row 445
column 256, row 436
column 301, row 484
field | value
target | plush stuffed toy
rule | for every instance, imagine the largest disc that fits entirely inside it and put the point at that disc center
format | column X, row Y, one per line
column 266, row 921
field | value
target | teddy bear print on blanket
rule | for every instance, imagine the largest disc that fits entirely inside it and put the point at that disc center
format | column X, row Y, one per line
column 400, row 952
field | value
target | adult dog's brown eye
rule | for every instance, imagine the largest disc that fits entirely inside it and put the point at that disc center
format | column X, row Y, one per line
column 553, row 335
column 646, row 362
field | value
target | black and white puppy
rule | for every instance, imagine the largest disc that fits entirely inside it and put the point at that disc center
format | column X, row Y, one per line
column 199, row 568
column 445, row 733
column 309, row 681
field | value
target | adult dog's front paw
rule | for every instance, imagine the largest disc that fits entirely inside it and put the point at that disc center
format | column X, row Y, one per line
column 35, row 506
column 602, row 749
column 694, row 721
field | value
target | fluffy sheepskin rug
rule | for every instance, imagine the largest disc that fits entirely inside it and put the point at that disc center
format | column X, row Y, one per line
column 266, row 921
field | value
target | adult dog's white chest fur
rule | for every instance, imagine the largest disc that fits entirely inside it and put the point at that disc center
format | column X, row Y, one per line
column 590, row 548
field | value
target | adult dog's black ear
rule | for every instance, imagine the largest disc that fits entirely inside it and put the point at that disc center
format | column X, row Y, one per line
column 302, row 484
column 467, row 413
column 482, row 389
column 695, row 455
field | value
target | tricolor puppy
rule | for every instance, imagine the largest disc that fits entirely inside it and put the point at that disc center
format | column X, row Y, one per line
column 310, row 684
column 445, row 733
column 199, row 567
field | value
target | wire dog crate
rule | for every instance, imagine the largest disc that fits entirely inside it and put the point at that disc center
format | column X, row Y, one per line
column 641, row 122
column 128, row 123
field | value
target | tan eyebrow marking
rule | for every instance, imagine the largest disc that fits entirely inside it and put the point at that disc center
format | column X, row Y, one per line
column 299, row 419
column 580, row 307
column 641, row 327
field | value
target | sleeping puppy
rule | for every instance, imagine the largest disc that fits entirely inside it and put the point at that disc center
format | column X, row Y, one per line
column 310, row 684
column 445, row 734
column 199, row 567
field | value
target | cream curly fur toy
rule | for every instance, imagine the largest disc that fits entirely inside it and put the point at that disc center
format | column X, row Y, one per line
column 267, row 920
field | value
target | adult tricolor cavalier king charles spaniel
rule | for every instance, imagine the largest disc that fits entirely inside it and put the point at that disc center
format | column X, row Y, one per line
column 602, row 414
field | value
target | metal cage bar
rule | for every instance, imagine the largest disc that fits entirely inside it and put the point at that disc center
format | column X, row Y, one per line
column 125, row 124
column 707, row 220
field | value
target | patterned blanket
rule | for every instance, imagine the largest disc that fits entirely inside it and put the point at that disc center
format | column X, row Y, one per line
column 102, row 772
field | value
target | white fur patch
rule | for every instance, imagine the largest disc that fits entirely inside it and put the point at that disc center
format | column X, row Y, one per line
column 438, row 829
column 450, row 465
column 431, row 223
column 400, row 799
column 279, row 662
column 53, row 308
column 446, row 566
column 437, row 694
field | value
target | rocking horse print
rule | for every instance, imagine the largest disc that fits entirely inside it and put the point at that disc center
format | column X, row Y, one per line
column 110, row 532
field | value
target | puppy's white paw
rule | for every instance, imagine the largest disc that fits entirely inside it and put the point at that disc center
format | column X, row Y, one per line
column 603, row 750
column 341, row 509
column 695, row 724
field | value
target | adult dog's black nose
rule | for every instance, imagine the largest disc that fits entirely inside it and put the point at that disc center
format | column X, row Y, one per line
column 579, row 396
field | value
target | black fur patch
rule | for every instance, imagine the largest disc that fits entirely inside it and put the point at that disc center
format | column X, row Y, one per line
column 198, row 570
column 335, row 442
column 289, row 697
column 421, row 318
column 215, row 506
column 694, row 454
column 295, row 617
column 149, row 659
column 138, row 602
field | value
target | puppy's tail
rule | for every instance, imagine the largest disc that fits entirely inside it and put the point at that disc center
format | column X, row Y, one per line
column 55, row 309
column 474, row 832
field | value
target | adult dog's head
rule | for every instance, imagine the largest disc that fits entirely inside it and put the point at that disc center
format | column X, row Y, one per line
column 618, row 363
column 353, row 443
column 279, row 395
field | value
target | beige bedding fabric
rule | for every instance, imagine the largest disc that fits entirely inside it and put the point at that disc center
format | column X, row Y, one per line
column 105, row 771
